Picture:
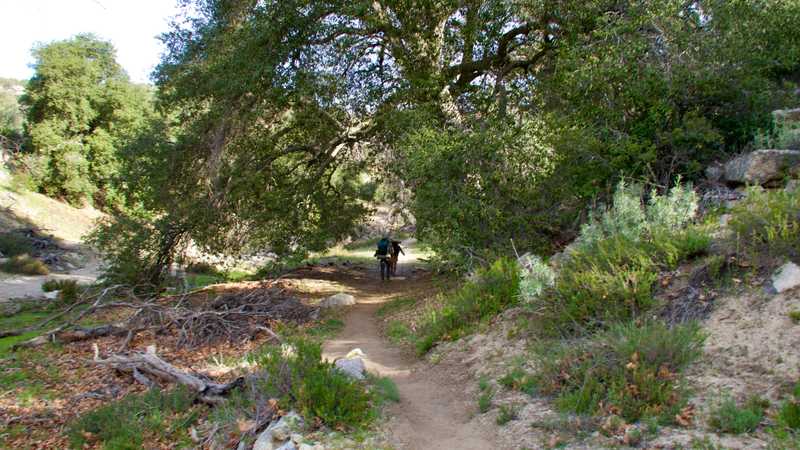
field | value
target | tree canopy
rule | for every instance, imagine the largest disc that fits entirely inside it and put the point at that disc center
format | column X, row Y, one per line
column 81, row 108
column 503, row 117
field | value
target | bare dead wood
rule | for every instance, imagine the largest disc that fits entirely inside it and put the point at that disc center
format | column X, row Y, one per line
column 66, row 336
column 148, row 363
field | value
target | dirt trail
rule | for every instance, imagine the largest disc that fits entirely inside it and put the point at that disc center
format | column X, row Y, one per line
column 434, row 412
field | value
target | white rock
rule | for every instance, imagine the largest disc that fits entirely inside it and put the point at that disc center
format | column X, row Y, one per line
column 52, row 295
column 786, row 277
column 297, row 438
column 264, row 441
column 355, row 353
column 353, row 367
column 280, row 430
column 288, row 445
column 340, row 299
column 792, row 186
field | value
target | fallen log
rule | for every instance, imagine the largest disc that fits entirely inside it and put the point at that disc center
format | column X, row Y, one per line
column 66, row 336
column 140, row 365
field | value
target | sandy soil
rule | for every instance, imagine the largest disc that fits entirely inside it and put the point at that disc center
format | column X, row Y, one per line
column 27, row 286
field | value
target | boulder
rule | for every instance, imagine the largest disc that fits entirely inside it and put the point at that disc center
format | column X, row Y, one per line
column 762, row 166
column 792, row 186
column 352, row 367
column 52, row 295
column 715, row 172
column 785, row 278
column 340, row 299
column 264, row 441
column 288, row 445
column 787, row 115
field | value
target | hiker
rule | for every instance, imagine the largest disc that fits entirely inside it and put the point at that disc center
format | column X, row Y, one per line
column 395, row 255
column 382, row 253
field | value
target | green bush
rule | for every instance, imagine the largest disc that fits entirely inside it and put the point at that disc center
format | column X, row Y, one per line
column 125, row 423
column 520, row 380
column 728, row 417
column 300, row 379
column 608, row 274
column 789, row 413
column 768, row 222
column 629, row 370
column 12, row 244
column 26, row 265
column 69, row 290
column 507, row 414
column 495, row 289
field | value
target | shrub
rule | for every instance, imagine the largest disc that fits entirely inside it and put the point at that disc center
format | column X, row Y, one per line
column 26, row 265
column 302, row 380
column 768, row 222
column 536, row 277
column 69, row 290
column 202, row 267
column 507, row 414
column 629, row 370
column 485, row 401
column 789, row 413
column 628, row 217
column 12, row 244
column 496, row 288
column 124, row 424
column 728, row 417
column 794, row 316
column 518, row 379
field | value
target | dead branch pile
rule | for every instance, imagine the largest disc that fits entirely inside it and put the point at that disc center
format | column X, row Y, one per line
column 230, row 317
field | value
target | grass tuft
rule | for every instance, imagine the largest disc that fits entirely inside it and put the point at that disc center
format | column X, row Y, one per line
column 24, row 264
column 728, row 417
column 629, row 370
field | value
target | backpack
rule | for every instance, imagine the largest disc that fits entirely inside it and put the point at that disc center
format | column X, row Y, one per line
column 383, row 247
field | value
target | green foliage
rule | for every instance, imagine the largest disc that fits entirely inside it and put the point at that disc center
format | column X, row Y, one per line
column 81, row 109
column 124, row 424
column 24, row 264
column 520, row 380
column 138, row 247
column 495, row 289
column 789, row 412
column 507, row 413
column 398, row 332
column 794, row 316
column 728, row 417
column 297, row 375
column 13, row 244
column 68, row 290
column 608, row 274
column 767, row 222
column 385, row 389
column 629, row 370
column 536, row 277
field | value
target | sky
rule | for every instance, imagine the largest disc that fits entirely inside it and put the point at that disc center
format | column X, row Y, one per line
column 131, row 25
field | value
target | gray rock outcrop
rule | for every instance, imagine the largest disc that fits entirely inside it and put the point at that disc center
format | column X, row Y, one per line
column 340, row 299
column 762, row 166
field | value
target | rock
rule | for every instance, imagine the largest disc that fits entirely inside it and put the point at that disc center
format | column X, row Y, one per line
column 280, row 430
column 792, row 186
column 52, row 295
column 297, row 438
column 264, row 441
column 353, row 367
column 785, row 278
column 790, row 115
column 762, row 166
column 340, row 299
column 715, row 172
column 288, row 445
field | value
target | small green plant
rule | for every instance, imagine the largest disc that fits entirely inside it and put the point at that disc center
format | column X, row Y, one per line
column 536, row 277
column 385, row 389
column 519, row 380
column 767, row 222
column 794, row 316
column 13, row 244
column 399, row 333
column 789, row 412
column 68, row 290
column 495, row 289
column 630, row 370
column 124, row 424
column 296, row 374
column 507, row 413
column 25, row 264
column 485, row 401
column 728, row 417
